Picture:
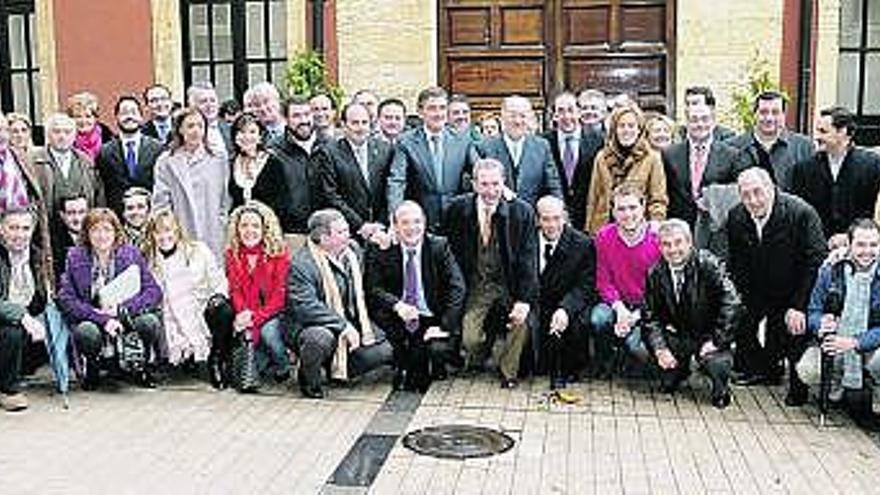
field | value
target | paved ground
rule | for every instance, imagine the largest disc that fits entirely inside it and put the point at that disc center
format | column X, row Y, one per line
column 621, row 438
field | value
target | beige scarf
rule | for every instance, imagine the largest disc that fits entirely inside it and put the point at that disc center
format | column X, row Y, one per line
column 333, row 299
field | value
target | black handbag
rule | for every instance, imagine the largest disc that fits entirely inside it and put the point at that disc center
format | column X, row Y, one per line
column 244, row 364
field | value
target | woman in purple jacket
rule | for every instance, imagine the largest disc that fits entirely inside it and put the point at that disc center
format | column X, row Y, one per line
column 103, row 255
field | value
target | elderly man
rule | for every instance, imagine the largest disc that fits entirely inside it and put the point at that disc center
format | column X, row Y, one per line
column 431, row 163
column 567, row 266
column 593, row 108
column 776, row 246
column 352, row 173
column 691, row 310
column 842, row 315
column 262, row 99
column 23, row 299
column 328, row 307
column 203, row 96
column 416, row 292
column 529, row 167
column 770, row 146
column 495, row 243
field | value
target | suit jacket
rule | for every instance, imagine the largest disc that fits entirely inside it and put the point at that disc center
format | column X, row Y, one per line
column 412, row 173
column 839, row 202
column 677, row 165
column 575, row 193
column 514, row 228
column 342, row 185
column 568, row 280
column 11, row 313
column 788, row 150
column 709, row 307
column 42, row 239
column 534, row 176
column 149, row 128
column 113, row 169
column 777, row 270
column 442, row 284
column 82, row 179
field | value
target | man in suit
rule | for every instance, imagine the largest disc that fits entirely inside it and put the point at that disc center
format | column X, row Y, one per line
column 770, row 145
column 157, row 97
column 567, row 266
column 352, row 173
column 63, row 170
column 691, row 310
column 324, row 112
column 431, row 164
column 416, row 293
column 573, row 148
column 203, row 96
column 703, row 96
column 328, row 308
column 262, row 99
column 776, row 246
column 128, row 159
column 390, row 120
column 495, row 243
column 530, row 169
column 369, row 99
column 841, row 180
column 593, row 110
column 698, row 161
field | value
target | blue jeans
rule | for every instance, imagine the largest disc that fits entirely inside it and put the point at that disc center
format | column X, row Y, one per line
column 272, row 348
column 602, row 320
column 57, row 344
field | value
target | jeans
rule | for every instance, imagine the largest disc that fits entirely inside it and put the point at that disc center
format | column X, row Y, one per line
column 12, row 342
column 602, row 319
column 272, row 348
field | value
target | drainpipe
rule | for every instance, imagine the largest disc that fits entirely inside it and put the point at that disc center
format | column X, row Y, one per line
column 805, row 70
column 318, row 26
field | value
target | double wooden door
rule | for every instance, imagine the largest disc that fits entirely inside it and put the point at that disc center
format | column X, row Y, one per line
column 493, row 48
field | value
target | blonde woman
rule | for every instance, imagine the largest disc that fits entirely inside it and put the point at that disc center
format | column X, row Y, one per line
column 90, row 134
column 196, row 313
column 256, row 268
column 626, row 157
column 660, row 130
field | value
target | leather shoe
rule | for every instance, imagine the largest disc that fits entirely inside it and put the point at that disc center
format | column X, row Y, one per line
column 508, row 383
column 145, row 379
column 748, row 379
column 399, row 380
column 721, row 401
column 312, row 392
column 796, row 397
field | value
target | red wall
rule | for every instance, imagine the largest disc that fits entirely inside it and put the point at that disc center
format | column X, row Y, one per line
column 103, row 46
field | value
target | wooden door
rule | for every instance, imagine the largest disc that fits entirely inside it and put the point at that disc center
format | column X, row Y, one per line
column 493, row 48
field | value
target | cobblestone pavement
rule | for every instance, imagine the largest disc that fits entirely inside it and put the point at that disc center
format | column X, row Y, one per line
column 620, row 438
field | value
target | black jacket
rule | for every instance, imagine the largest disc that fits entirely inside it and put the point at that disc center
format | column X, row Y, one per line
column 709, row 309
column 442, row 283
column 301, row 184
column 270, row 187
column 9, row 313
column 113, row 169
column 514, row 228
column 575, row 193
column 839, row 202
column 341, row 183
column 568, row 280
column 778, row 270
column 677, row 165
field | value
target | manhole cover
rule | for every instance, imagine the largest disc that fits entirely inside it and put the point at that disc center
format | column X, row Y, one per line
column 457, row 441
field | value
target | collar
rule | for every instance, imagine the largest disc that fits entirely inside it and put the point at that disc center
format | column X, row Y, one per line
column 692, row 145
column 575, row 134
column 429, row 134
column 355, row 147
column 511, row 143
column 417, row 248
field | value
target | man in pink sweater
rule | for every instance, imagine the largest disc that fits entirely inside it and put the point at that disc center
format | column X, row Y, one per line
column 626, row 249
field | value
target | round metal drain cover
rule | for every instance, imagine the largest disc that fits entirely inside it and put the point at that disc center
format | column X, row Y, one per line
column 457, row 441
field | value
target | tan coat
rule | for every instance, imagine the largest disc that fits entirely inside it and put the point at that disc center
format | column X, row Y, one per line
column 647, row 173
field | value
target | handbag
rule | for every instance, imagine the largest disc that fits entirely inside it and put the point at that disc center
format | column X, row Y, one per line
column 244, row 364
column 131, row 352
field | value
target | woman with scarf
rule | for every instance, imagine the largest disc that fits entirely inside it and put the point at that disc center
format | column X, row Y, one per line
column 196, row 312
column 256, row 268
column 626, row 157
column 90, row 134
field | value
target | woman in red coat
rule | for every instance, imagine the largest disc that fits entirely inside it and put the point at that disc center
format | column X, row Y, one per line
column 256, row 268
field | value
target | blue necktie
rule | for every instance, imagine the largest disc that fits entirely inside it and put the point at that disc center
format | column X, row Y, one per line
column 437, row 157
column 130, row 158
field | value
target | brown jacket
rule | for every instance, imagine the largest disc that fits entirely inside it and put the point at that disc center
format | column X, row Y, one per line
column 646, row 172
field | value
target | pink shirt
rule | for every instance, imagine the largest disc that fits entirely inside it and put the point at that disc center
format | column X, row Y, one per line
column 621, row 270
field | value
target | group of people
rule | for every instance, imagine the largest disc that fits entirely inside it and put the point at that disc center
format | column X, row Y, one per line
column 341, row 240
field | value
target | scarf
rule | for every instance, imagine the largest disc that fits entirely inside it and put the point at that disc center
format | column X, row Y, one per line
column 333, row 300
column 89, row 142
column 13, row 192
column 854, row 321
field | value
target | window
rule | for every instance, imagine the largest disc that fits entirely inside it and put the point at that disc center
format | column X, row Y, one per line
column 19, row 70
column 858, row 78
column 234, row 43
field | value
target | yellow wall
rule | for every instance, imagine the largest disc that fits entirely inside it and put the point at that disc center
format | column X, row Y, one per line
column 390, row 47
column 717, row 38
column 46, row 56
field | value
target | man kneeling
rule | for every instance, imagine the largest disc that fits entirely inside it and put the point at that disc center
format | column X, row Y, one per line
column 328, row 308
column 691, row 309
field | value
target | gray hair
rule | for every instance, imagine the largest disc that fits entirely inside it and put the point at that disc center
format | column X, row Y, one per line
column 488, row 164
column 755, row 173
column 197, row 88
column 59, row 119
column 408, row 204
column 319, row 223
column 263, row 89
column 550, row 201
column 673, row 225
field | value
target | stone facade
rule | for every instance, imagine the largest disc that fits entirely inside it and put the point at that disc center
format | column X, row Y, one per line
column 828, row 36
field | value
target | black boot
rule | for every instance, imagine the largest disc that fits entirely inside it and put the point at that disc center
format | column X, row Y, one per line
column 92, row 373
column 216, row 372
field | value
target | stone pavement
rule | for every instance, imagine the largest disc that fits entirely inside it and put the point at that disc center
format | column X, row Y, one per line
column 621, row 438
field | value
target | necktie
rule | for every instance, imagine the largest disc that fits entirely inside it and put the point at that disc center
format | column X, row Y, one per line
column 698, row 165
column 678, row 277
column 162, row 130
column 130, row 158
column 362, row 161
column 437, row 157
column 548, row 252
column 568, row 162
column 411, row 287
column 486, row 226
